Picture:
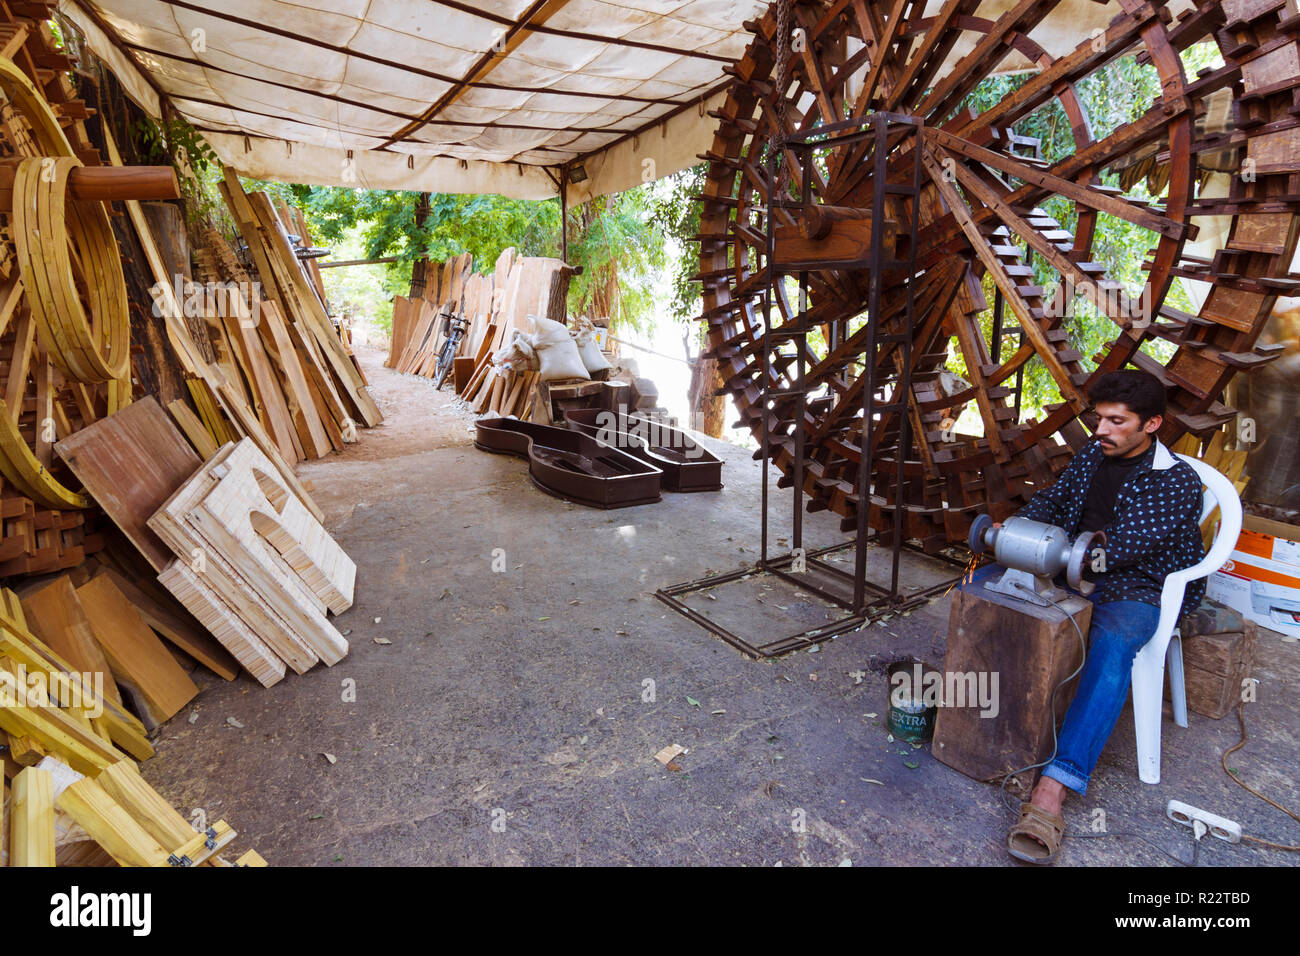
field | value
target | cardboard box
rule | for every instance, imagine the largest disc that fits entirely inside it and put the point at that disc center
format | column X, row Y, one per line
column 1261, row 578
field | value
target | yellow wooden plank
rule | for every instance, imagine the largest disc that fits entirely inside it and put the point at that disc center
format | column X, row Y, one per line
column 125, row 729
column 58, row 731
column 109, row 825
column 1215, row 451
column 31, row 834
column 203, row 846
column 193, row 428
column 122, row 781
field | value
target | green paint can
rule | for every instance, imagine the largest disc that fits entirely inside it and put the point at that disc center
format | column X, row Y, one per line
column 911, row 709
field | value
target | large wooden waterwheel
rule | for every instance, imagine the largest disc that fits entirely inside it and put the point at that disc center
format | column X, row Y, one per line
column 982, row 226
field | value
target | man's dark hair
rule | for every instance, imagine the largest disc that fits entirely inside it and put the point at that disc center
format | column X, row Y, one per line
column 1140, row 391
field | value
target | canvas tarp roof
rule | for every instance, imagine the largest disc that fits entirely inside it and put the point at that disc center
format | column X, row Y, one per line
column 493, row 97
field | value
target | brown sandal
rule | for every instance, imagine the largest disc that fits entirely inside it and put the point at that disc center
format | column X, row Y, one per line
column 1037, row 837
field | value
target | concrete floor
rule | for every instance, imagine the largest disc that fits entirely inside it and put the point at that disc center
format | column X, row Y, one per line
column 501, row 718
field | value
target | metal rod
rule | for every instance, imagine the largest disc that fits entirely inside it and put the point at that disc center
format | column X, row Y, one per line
column 355, row 262
column 881, row 155
column 564, row 214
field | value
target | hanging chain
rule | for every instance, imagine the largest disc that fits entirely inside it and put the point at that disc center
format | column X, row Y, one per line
column 782, row 67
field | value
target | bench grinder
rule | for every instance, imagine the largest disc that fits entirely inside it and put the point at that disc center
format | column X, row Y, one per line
column 1033, row 553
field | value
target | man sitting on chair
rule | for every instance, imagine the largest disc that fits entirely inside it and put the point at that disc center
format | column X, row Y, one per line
column 1126, row 484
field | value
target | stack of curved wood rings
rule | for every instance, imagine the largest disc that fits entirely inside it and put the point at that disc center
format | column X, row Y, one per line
column 48, row 227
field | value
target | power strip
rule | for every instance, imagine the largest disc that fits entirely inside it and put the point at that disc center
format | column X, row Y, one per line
column 1189, row 816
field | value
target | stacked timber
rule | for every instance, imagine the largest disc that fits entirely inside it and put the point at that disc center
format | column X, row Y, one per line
column 495, row 305
column 238, row 545
column 71, row 746
column 272, row 336
column 35, row 539
column 265, row 604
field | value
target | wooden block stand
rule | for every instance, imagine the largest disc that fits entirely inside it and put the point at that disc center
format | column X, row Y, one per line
column 1031, row 649
column 1218, row 654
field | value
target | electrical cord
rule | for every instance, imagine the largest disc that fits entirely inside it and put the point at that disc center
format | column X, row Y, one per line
column 1011, row 805
column 1241, row 719
column 1083, row 651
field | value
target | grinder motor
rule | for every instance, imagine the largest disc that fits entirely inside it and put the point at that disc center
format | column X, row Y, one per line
column 1033, row 553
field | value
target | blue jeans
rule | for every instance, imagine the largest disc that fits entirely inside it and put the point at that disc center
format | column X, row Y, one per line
column 1119, row 630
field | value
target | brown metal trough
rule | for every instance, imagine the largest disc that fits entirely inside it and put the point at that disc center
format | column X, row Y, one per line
column 572, row 465
column 686, row 464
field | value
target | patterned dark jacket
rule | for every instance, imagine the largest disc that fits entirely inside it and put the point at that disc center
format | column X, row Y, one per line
column 1156, row 528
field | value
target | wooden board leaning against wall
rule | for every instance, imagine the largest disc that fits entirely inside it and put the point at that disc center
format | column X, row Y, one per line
column 496, row 305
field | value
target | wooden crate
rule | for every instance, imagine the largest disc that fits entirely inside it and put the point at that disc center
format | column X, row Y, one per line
column 1218, row 654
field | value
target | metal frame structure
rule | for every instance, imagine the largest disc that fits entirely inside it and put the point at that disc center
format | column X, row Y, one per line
column 869, row 601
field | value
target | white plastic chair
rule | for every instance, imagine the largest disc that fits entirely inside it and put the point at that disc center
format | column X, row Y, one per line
column 1149, row 665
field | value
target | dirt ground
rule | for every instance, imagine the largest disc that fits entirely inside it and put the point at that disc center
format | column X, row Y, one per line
column 513, row 717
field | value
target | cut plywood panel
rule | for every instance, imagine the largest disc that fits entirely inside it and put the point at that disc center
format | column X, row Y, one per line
column 152, row 680
column 130, row 463
column 255, row 562
column 249, row 601
column 222, row 623
column 253, row 504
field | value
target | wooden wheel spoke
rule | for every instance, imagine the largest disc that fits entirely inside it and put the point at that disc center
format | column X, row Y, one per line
column 816, row 81
column 818, row 184
column 973, row 350
column 1009, row 367
column 930, row 54
column 1084, row 59
column 1095, row 156
column 1115, row 305
column 882, row 60
column 1088, row 195
column 1004, row 281
column 930, row 306
column 882, row 37
column 965, row 75
column 836, row 357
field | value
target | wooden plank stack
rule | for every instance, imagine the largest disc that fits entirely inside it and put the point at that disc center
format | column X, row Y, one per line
column 266, row 605
column 329, row 389
column 496, row 305
column 277, row 348
column 223, row 399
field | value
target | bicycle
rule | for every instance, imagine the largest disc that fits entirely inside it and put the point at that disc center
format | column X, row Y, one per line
column 454, row 328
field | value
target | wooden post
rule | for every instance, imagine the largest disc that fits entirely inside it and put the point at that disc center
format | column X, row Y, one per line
column 1030, row 649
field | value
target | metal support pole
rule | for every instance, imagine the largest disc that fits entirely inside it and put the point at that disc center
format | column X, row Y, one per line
column 564, row 214
column 880, row 129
